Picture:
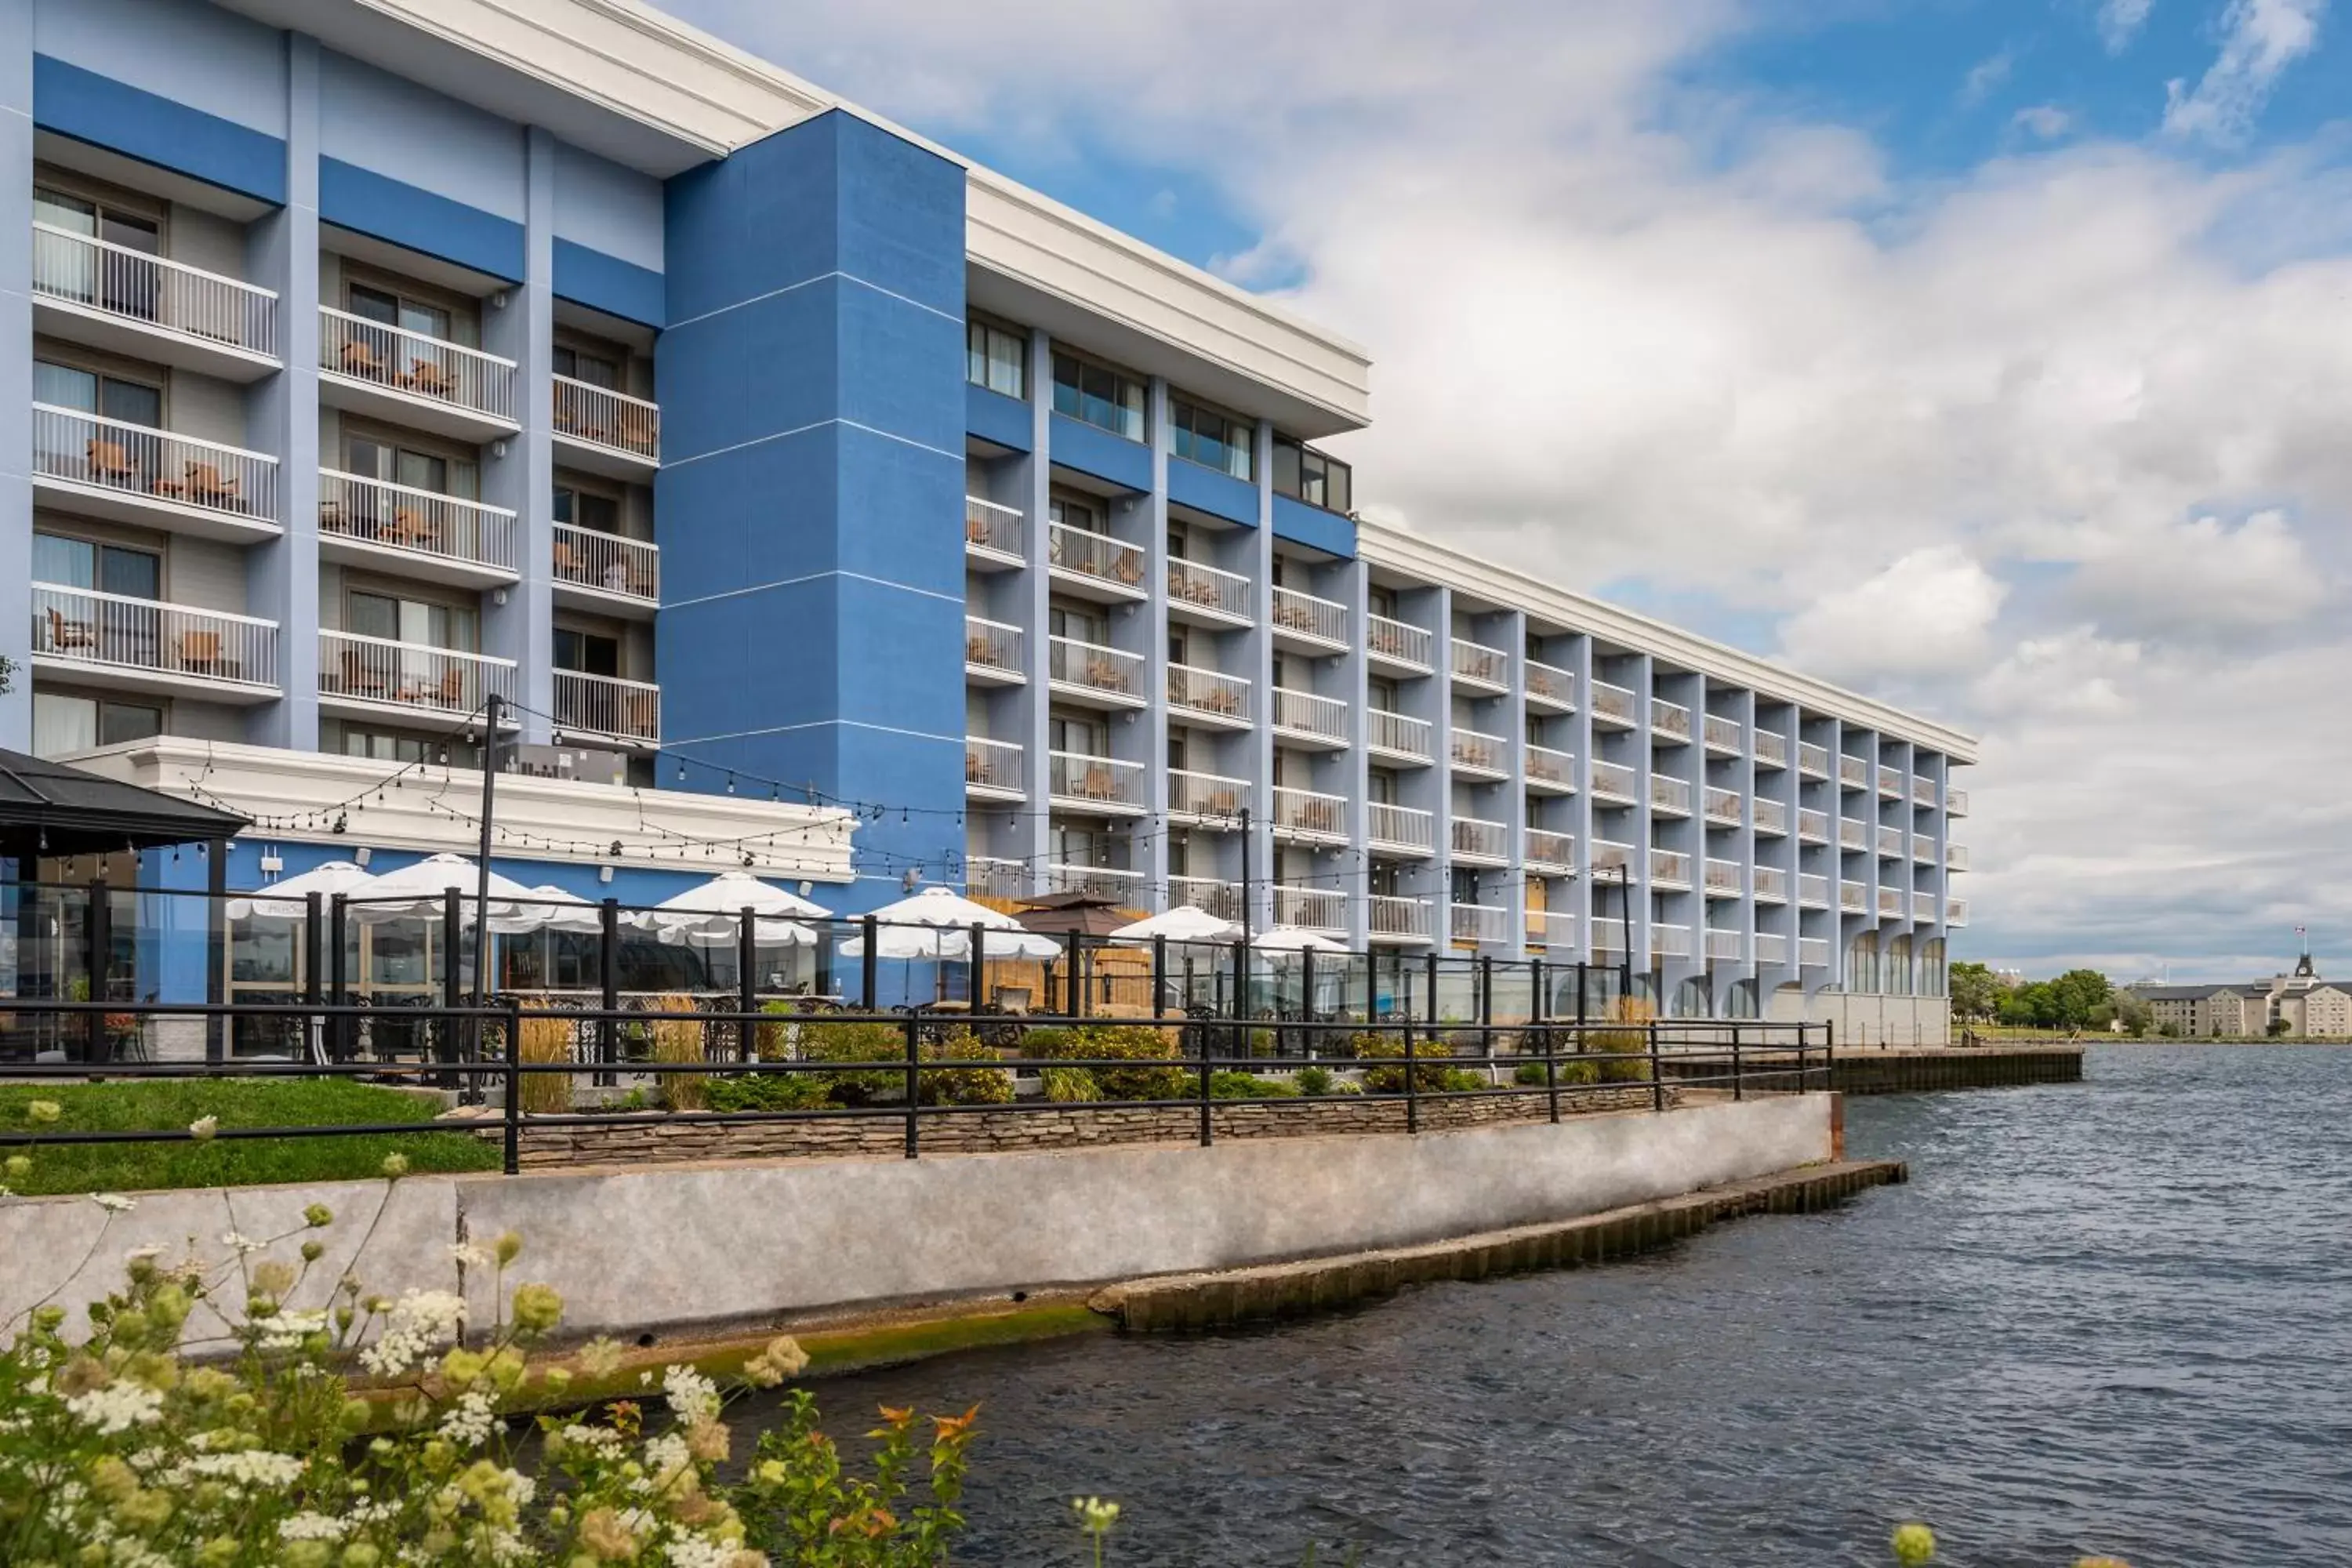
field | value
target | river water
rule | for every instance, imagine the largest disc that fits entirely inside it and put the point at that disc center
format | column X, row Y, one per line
column 2111, row 1316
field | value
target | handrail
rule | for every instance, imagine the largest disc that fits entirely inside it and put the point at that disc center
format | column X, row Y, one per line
column 357, row 348
column 156, row 291
column 422, row 521
column 602, row 417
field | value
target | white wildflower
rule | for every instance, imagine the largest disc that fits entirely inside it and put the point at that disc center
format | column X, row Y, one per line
column 287, row 1331
column 600, row 1441
column 473, row 1418
column 203, row 1129
column 256, row 1468
column 692, row 1396
column 698, row 1551
column 117, row 1408
column 465, row 1254
column 667, row 1459
column 113, row 1203
column 238, row 1243
column 421, row 1322
column 312, row 1527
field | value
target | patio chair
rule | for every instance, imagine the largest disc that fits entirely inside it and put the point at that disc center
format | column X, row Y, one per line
column 359, row 358
column 429, row 377
column 359, row 677
column 201, row 652
column 110, row 464
column 636, row 431
column 66, row 635
column 208, row 487
column 568, row 564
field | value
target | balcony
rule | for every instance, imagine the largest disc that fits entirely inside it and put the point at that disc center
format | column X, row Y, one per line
column 1480, row 923
column 1551, row 687
column 144, row 645
column 1723, row 736
column 1552, row 852
column 1209, row 594
column 1395, row 918
column 130, row 473
column 1771, row 885
column 991, row 653
column 1923, row 850
column 1722, row 807
column 93, row 291
column 1890, row 903
column 1307, row 814
column 1956, row 857
column 1923, row 909
column 1485, row 842
column 377, row 675
column 1106, row 784
column 1853, row 772
column 1608, row 939
column 413, row 379
column 1479, row 667
column 1669, row 941
column 1771, row 750
column 1117, row 883
column 1098, row 675
column 1771, row 947
column 1813, row 761
column 1956, row 911
column 1612, row 706
column 1890, row 843
column 1397, row 736
column 606, row 572
column 1479, row 755
column 1614, row 783
column 1612, row 860
column 1812, row 826
column 1397, row 646
column 1302, row 620
column 1890, row 782
column 1209, row 696
column 1670, row 868
column 414, row 532
column 606, row 708
column 1852, row 833
column 1313, row 909
column 1726, row 946
column 604, row 431
column 1814, row 951
column 1771, row 819
column 1549, row 771
column 1669, row 796
column 992, row 536
column 1310, row 717
column 1812, row 891
column 1095, row 565
column 1212, row 798
column 1399, row 829
column 1207, row 894
column 1923, row 792
column 1955, row 802
column 1554, row 930
column 1720, row 878
column 1854, row 899
column 994, row 770
column 1669, row 721
column 987, row 877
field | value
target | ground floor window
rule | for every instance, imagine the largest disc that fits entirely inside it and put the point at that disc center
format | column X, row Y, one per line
column 64, row 722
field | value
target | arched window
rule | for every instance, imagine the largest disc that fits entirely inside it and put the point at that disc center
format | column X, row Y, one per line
column 1933, row 979
column 1693, row 999
column 1861, row 963
column 1740, row 1002
column 1896, row 972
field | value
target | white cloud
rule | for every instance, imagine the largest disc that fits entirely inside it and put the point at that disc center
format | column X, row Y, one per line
column 2120, row 22
column 1985, row 76
column 2201, row 575
column 1928, row 613
column 2046, row 121
column 2260, row 38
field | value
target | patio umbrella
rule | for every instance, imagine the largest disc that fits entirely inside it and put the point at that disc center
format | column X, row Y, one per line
column 1185, row 922
column 287, row 901
column 1285, row 941
column 418, row 889
column 946, row 920
column 707, row 913
column 549, row 908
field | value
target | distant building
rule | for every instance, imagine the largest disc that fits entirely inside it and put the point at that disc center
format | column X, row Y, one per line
column 2312, row 1008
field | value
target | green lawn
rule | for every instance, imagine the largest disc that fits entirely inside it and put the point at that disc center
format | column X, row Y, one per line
column 226, row 1162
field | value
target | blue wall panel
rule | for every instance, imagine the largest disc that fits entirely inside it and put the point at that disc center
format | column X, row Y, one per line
column 369, row 203
column 1077, row 445
column 996, row 417
column 1310, row 525
column 607, row 283
column 813, row 403
column 1219, row 495
column 108, row 114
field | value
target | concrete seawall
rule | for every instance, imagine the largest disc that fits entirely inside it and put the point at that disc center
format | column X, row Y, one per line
column 722, row 1245
column 1911, row 1070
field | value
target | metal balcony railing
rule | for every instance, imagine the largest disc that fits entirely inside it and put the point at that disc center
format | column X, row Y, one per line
column 1551, row 851
column 1209, row 692
column 1669, row 869
column 1615, row 782
column 1956, row 857
column 1306, row 615
column 1612, row 704
column 1207, row 894
column 152, row 292
column 990, row 877
column 1890, row 782
column 1722, row 807
column 1771, row 885
column 1890, row 903
column 1549, row 685
column 1117, row 883
column 1671, row 719
column 401, row 517
column 604, row 417
column 1852, row 833
column 1669, row 796
column 1771, row 818
column 1479, row 665
column 1076, row 777
column 1001, row 766
column 1812, row 826
column 1210, row 588
column 1726, row 946
column 608, row 706
column 1475, row 839
column 1771, row 750
column 1315, row 908
column 1814, row 951
column 1097, row 555
column 1393, row 915
column 1207, row 795
column 992, row 644
column 409, row 675
column 1398, row 641
column 993, row 527
column 117, row 456
column 398, row 360
column 1812, row 890
column 1609, row 858
column 1813, row 761
column 608, row 562
column 1480, row 923
column 1091, row 667
column 1723, row 734
column 84, row 626
column 1309, row 813
column 1853, row 772
column 1771, row 947
column 1669, row 941
column 1923, row 849
column 1721, row 878
column 1922, row 908
column 1479, row 751
column 1400, row 733
column 1854, row 898
column 1391, row 826
column 1310, row 713
column 1548, row 767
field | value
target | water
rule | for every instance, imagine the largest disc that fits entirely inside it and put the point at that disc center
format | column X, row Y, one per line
column 2113, row 1316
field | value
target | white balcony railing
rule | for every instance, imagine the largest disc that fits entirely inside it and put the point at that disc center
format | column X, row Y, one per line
column 1771, row 885
column 1812, row 826
column 1852, row 833
column 1551, row 851
column 1812, row 890
column 426, row 522
column 1890, row 843
column 1210, row 693
column 422, row 366
column 1608, row 939
column 1722, row 807
column 1723, row 734
column 988, row 877
column 1890, row 903
column 1669, row 796
column 1671, row 719
column 1854, row 898
column 114, row 630
column 1549, row 685
column 1206, row 794
column 1474, row 838
column 1097, row 555
column 1310, row 713
column 1309, row 813
column 1091, row 667
column 1393, row 915
column 1399, row 733
column 1813, row 761
column 1771, row 818
column 1955, row 802
column 1669, row 869
column 1923, row 849
column 1956, row 857
column 1094, row 781
column 1391, row 826
column 1306, row 615
column 1956, row 911
column 1479, row 751
column 1922, row 908
column 1398, row 641
column 152, row 292
column 1721, row 878
column 1550, row 769
column 1726, row 946
column 1315, row 908
column 993, row 527
column 1479, row 665
column 1207, row 894
column 1890, row 782
column 1116, row 883
column 608, row 562
column 1615, row 782
column 1853, row 772
column 1771, row 947
column 1612, row 704
column 607, row 705
column 1771, row 750
column 135, row 460
column 409, row 675
column 1923, row 791
column 992, row 644
column 604, row 417
column 1210, row 588
column 1481, row 922
column 1001, row 766
column 1669, row 941
column 1814, row 951
column 1610, row 858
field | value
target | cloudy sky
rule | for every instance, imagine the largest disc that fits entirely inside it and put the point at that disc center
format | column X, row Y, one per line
column 1990, row 356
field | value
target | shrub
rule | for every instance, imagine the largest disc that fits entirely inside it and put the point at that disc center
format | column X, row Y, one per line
column 767, row 1091
column 1260, row 1042
column 679, row 1040
column 1314, row 1080
column 1052, row 1041
column 1098, row 1045
column 873, row 1042
column 1428, row 1078
column 772, row 1042
column 546, row 1037
column 1070, row 1086
column 1530, row 1073
column 990, row 1085
column 1244, row 1086
column 1628, row 1048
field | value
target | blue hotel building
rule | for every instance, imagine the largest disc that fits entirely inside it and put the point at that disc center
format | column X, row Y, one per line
column 377, row 356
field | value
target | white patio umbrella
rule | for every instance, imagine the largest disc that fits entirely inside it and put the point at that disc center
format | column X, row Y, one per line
column 551, row 907
column 707, row 913
column 946, row 918
column 418, row 889
column 286, row 901
column 1285, row 941
column 1185, row 922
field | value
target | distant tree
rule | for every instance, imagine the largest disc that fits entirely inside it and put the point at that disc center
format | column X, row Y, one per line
column 1976, row 994
column 2137, row 1016
column 2275, row 1028
column 2076, row 994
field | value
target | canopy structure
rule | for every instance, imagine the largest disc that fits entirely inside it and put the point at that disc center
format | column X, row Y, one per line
column 1284, row 942
column 49, row 808
column 936, row 923
column 1184, row 923
column 550, row 907
column 421, row 889
column 707, row 913
column 289, row 899
column 1056, row 914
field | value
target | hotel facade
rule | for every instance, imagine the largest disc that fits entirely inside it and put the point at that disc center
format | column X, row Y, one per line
column 805, row 490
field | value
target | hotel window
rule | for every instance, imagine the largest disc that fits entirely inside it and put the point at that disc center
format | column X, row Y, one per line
column 374, row 457
column 1380, row 695
column 1302, row 473
column 1380, row 787
column 1214, row 440
column 1075, row 514
column 1078, row 626
column 1381, row 601
column 415, row 621
column 1098, row 395
column 404, row 311
column 586, row 653
column 63, row 722
column 77, row 272
column 92, row 392
column 587, row 508
column 996, row 357
column 102, row 568
column 1077, row 737
column 405, row 746
column 595, row 368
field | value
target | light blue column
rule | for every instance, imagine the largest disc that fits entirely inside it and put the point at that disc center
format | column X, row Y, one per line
column 1153, row 859
column 1513, row 641
column 1640, row 681
column 1439, row 711
column 1033, row 831
column 1354, row 677
column 282, row 414
column 1688, row 764
column 1781, row 854
column 1742, row 708
column 1257, row 662
column 17, row 349
column 1582, row 897
column 523, row 328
